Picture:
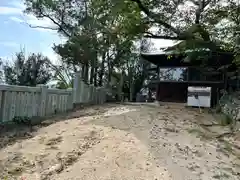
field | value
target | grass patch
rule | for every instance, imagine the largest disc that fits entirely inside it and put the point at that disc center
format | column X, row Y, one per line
column 171, row 130
column 194, row 131
column 228, row 147
column 54, row 141
column 221, row 175
column 15, row 171
column 226, row 120
column 218, row 109
column 202, row 135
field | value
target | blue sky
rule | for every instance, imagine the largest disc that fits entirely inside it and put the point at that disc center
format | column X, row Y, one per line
column 15, row 32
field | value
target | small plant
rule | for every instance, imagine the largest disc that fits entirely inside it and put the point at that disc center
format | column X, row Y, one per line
column 226, row 120
column 195, row 131
column 218, row 109
column 22, row 120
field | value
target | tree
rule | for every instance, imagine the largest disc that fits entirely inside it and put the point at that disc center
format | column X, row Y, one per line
column 63, row 74
column 67, row 16
column 196, row 22
column 1, row 72
column 28, row 71
column 95, row 29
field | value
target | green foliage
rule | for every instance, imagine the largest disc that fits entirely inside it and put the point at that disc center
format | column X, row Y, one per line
column 226, row 120
column 78, row 49
column 101, row 34
column 66, row 15
column 218, row 109
column 62, row 85
column 1, row 72
column 22, row 120
column 200, row 24
column 237, row 45
column 63, row 75
column 27, row 71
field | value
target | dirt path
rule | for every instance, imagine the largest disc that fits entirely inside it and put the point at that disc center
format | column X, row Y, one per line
column 130, row 142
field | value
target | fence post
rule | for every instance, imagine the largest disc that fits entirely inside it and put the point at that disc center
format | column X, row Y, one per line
column 2, row 107
column 91, row 93
column 104, row 95
column 70, row 99
column 43, row 100
column 94, row 95
column 98, row 95
column 76, row 88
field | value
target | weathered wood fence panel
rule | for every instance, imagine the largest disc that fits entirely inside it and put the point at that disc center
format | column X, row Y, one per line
column 40, row 101
column 18, row 101
column 59, row 101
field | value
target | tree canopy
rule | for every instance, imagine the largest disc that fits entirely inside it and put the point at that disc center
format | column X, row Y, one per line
column 209, row 24
column 102, row 35
column 27, row 71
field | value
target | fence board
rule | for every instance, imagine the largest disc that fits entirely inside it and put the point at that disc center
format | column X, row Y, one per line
column 40, row 101
column 5, row 106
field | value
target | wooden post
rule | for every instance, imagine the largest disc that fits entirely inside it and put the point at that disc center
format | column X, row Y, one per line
column 92, row 93
column 76, row 88
column 238, row 74
column 2, row 103
column 43, row 100
column 157, row 86
column 225, row 78
column 70, row 99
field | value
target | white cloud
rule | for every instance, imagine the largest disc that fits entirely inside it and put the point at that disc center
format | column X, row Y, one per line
column 10, row 44
column 16, row 14
column 16, row 19
column 18, row 4
column 9, row 10
column 35, row 22
column 52, row 56
column 47, row 50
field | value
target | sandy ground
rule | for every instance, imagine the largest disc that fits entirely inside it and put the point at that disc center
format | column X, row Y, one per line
column 123, row 142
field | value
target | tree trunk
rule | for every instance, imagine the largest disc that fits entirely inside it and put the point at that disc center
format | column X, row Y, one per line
column 82, row 71
column 86, row 70
column 120, row 88
column 131, row 90
column 93, row 69
column 109, row 69
column 102, row 70
column 95, row 76
column 92, row 73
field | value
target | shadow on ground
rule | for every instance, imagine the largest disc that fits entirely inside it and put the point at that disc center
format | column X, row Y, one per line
column 11, row 132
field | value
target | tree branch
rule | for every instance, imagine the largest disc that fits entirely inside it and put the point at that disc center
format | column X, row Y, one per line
column 155, row 17
column 62, row 25
column 198, row 11
column 60, row 28
column 202, row 4
column 150, row 35
column 43, row 27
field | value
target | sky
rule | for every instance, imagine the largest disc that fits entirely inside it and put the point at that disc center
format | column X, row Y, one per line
column 15, row 33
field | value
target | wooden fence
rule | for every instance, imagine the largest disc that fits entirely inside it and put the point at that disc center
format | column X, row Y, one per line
column 19, row 101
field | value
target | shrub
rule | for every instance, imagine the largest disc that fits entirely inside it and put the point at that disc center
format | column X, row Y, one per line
column 22, row 120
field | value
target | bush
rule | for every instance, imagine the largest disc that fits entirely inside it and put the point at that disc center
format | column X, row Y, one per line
column 22, row 120
column 226, row 120
column 218, row 109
